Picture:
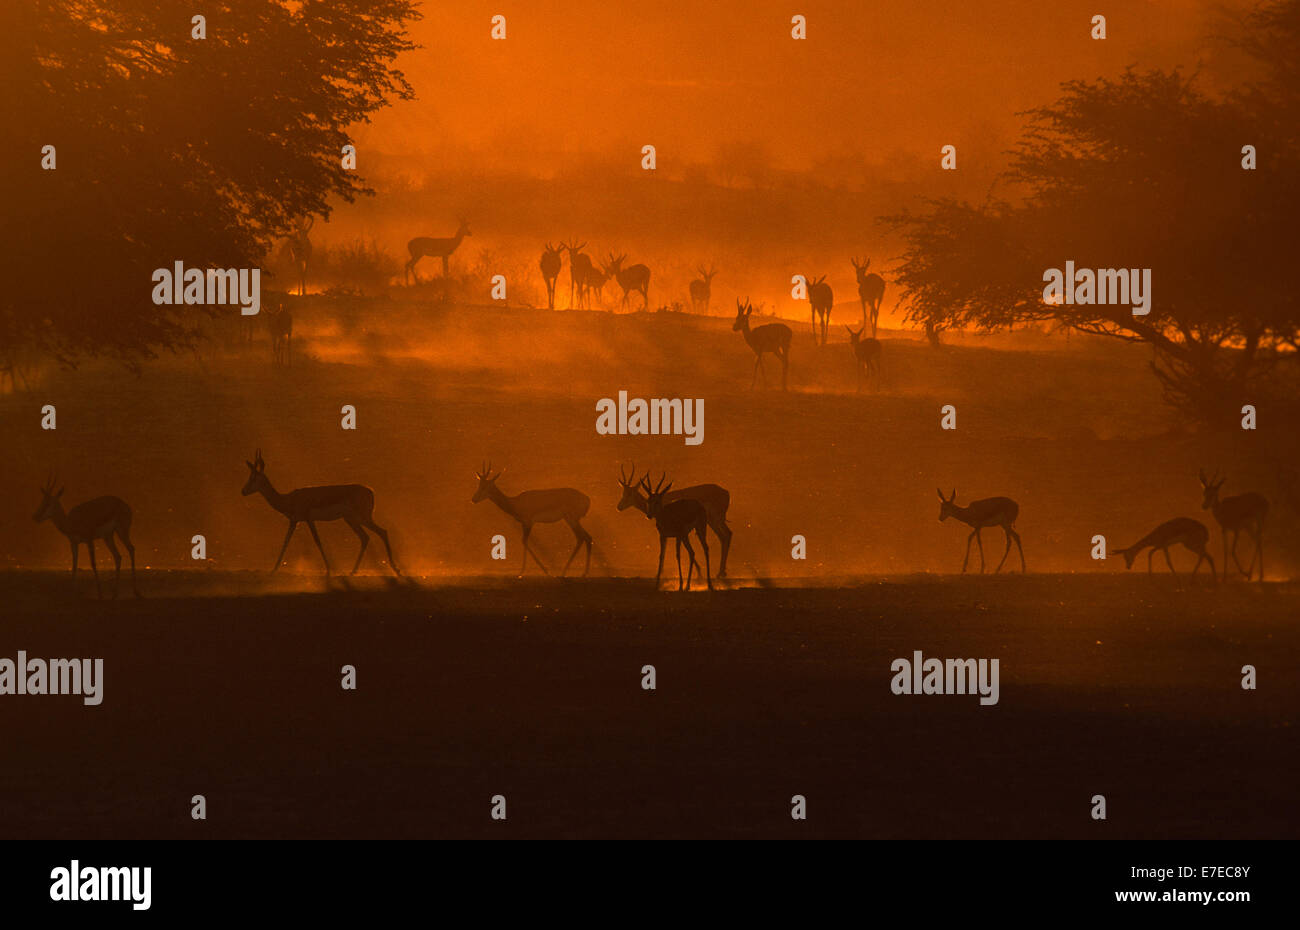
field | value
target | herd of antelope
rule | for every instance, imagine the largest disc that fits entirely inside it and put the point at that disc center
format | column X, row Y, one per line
column 676, row 515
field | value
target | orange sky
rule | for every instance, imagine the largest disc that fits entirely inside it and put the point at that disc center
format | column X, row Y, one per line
column 898, row 77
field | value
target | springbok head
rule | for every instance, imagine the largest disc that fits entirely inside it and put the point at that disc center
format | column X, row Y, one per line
column 573, row 247
column 654, row 498
column 627, row 481
column 860, row 267
column 707, row 275
column 1211, row 487
column 49, row 500
column 743, row 310
column 854, row 337
column 256, row 474
column 947, row 508
column 487, row 482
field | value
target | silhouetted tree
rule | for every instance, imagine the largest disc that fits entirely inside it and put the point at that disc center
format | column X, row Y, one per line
column 172, row 148
column 1142, row 171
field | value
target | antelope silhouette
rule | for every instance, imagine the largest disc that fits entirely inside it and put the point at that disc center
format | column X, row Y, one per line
column 300, row 250
column 871, row 291
column 95, row 519
column 676, row 520
column 551, row 271
column 1234, row 514
column 580, row 268
column 533, row 507
column 632, row 278
column 1192, row 534
column 866, row 352
column 702, row 290
column 770, row 337
column 821, row 299
column 423, row 246
column 715, row 499
column 991, row 511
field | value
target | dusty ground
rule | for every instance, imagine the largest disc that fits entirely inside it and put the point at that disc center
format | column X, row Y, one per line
column 472, row 684
column 1127, row 687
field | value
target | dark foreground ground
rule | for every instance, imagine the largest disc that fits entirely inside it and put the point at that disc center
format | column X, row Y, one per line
column 225, row 686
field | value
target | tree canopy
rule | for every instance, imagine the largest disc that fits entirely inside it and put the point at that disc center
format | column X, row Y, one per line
column 1143, row 170
column 175, row 148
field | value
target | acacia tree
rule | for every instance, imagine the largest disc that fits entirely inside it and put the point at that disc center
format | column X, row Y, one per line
column 1141, row 171
column 175, row 148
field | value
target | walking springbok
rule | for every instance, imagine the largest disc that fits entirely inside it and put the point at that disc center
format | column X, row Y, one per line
column 354, row 504
column 715, row 499
column 1191, row 533
column 991, row 511
column 423, row 246
column 871, row 291
column 821, row 298
column 632, row 278
column 1234, row 514
column 770, row 337
column 677, row 520
column 551, row 272
column 532, row 507
column 95, row 519
column 280, row 323
column 300, row 249
column 866, row 352
column 580, row 268
column 702, row 290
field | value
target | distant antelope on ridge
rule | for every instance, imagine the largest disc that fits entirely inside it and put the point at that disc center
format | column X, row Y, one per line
column 871, row 291
column 423, row 246
column 820, row 298
column 770, row 337
column 702, row 290
column 550, row 265
column 632, row 278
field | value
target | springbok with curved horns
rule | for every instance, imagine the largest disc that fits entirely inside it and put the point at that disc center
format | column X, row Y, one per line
column 866, row 352
column 632, row 278
column 991, row 511
column 871, row 291
column 95, row 519
column 702, row 290
column 580, row 269
column 532, row 507
column 1234, row 514
column 770, row 337
column 676, row 520
column 821, row 298
column 715, row 499
column 354, row 504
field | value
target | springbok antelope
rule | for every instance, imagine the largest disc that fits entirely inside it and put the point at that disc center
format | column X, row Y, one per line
column 95, row 519
column 991, row 511
column 423, row 246
column 596, row 279
column 715, row 499
column 1234, row 514
column 702, row 290
column 354, row 504
column 676, row 520
column 770, row 337
column 871, row 291
column 280, row 323
column 532, row 507
column 579, row 268
column 632, row 278
column 1191, row 533
column 551, row 271
column 821, row 298
column 300, row 249
column 866, row 352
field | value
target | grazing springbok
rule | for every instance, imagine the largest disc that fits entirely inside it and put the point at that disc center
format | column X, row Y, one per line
column 300, row 250
column 821, row 298
column 354, row 504
column 632, row 278
column 422, row 247
column 1191, row 533
column 866, row 352
column 532, row 507
column 280, row 323
column 676, row 520
column 871, row 291
column 715, row 499
column 580, row 268
column 991, row 511
column 551, row 271
column 702, row 290
column 770, row 337
column 96, row 519
column 1234, row 514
